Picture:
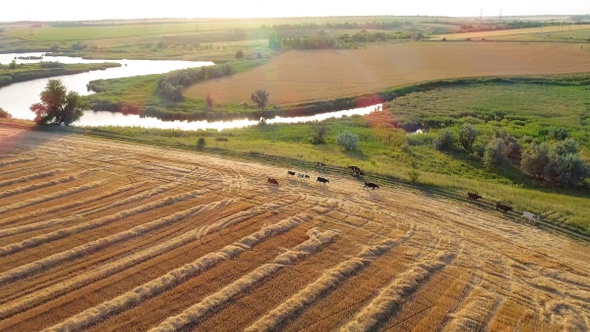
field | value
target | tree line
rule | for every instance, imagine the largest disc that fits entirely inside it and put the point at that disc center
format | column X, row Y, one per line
column 323, row 40
column 556, row 162
column 172, row 84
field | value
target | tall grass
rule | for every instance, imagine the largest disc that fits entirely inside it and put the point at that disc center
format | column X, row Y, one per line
column 214, row 301
column 173, row 278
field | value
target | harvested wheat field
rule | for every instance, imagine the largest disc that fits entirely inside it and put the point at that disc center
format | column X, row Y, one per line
column 105, row 236
column 297, row 76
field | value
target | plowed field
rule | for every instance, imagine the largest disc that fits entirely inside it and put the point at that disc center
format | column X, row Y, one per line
column 297, row 76
column 106, row 236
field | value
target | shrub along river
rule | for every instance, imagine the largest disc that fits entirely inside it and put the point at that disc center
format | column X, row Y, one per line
column 18, row 97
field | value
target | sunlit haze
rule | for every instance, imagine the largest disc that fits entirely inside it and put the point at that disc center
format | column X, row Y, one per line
column 67, row 10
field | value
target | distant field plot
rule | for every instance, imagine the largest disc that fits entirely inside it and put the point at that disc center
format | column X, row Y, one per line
column 94, row 234
column 297, row 76
column 521, row 34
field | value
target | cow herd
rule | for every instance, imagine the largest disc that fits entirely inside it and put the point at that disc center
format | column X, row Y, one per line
column 505, row 208
column 355, row 171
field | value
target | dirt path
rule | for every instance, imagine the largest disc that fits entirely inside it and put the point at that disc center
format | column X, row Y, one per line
column 229, row 252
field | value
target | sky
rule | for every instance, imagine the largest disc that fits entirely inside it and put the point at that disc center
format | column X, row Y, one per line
column 68, row 10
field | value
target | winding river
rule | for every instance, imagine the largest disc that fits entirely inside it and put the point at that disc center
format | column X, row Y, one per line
column 18, row 97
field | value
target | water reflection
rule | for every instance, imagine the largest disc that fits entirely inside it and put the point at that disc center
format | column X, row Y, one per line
column 18, row 97
column 98, row 119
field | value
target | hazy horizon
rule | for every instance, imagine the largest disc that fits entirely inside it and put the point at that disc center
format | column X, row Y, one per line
column 64, row 10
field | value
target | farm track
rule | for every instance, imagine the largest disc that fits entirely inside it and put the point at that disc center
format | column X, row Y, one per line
column 203, row 243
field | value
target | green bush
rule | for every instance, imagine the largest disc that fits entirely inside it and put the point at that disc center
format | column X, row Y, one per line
column 348, row 140
column 467, row 136
column 201, row 143
column 444, row 141
column 494, row 154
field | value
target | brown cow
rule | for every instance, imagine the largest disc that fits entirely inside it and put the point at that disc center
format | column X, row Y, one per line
column 322, row 180
column 371, row 185
column 503, row 208
column 474, row 197
column 272, row 181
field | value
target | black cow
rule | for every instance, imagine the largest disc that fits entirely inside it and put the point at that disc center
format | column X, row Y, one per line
column 353, row 168
column 320, row 164
column 322, row 180
column 503, row 208
column 474, row 197
column 371, row 185
column 272, row 181
column 292, row 173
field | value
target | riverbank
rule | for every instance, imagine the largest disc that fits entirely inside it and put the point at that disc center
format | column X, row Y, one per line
column 32, row 71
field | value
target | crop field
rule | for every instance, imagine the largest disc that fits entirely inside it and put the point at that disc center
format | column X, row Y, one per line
column 297, row 76
column 104, row 236
column 522, row 34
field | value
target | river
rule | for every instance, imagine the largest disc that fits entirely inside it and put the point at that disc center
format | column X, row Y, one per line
column 18, row 97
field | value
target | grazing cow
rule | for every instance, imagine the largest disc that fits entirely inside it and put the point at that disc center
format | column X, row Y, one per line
column 320, row 164
column 530, row 216
column 474, row 197
column 503, row 208
column 371, row 185
column 272, row 181
column 353, row 168
column 322, row 180
column 303, row 175
column 292, row 173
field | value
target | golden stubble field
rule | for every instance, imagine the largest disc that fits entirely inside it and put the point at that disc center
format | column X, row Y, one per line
column 105, row 236
column 297, row 76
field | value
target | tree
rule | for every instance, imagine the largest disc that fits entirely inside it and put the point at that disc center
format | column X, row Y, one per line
column 467, row 136
column 57, row 105
column 444, row 140
column 12, row 64
column 260, row 98
column 319, row 133
column 239, row 54
column 534, row 160
column 494, row 154
column 208, row 101
column 4, row 114
column 348, row 140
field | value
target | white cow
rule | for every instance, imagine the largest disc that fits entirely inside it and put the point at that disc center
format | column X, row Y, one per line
column 530, row 216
